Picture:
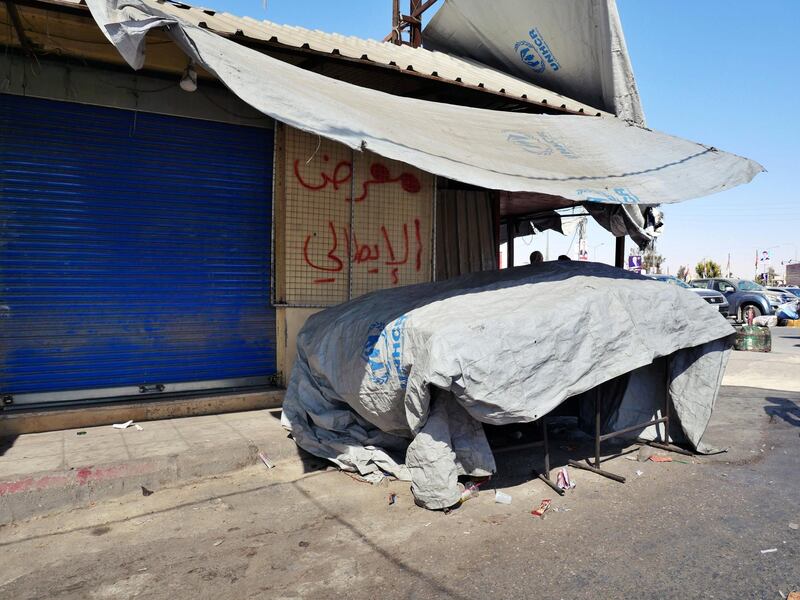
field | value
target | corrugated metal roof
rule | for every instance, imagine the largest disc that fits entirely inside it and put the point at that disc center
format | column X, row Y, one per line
column 418, row 61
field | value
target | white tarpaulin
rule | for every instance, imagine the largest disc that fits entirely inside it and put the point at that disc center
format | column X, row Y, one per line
column 579, row 158
column 400, row 380
column 573, row 47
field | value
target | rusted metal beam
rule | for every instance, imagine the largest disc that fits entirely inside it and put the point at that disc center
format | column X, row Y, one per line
column 668, row 447
column 638, row 427
column 423, row 7
column 16, row 21
column 415, row 29
column 585, row 467
column 394, row 36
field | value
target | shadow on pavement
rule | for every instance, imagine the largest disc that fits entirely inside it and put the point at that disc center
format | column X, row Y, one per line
column 7, row 443
column 785, row 409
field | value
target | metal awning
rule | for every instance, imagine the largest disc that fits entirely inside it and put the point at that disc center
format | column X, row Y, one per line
column 582, row 159
column 364, row 62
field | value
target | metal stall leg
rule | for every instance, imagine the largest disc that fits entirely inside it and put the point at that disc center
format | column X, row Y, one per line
column 597, row 440
column 665, row 445
column 546, row 475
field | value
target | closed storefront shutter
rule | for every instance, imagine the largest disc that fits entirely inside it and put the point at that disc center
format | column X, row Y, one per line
column 134, row 253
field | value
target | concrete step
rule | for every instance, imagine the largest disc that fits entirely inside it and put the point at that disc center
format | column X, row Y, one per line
column 46, row 472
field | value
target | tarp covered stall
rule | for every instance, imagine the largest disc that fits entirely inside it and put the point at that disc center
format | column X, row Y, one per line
column 579, row 158
column 576, row 47
column 400, row 380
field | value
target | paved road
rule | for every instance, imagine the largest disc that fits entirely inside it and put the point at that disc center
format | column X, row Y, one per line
column 678, row 530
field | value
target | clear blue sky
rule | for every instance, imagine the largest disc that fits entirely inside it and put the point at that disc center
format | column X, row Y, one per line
column 721, row 72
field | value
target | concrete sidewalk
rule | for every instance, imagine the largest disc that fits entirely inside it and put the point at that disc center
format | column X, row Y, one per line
column 776, row 370
column 42, row 472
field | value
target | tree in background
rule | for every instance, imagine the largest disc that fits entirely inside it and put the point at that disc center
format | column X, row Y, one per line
column 708, row 268
column 772, row 277
column 652, row 260
column 683, row 273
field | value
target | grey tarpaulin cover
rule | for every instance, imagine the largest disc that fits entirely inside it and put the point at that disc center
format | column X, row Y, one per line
column 574, row 47
column 642, row 223
column 594, row 159
column 401, row 379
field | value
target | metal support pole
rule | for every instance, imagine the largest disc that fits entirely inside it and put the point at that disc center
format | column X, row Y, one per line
column 665, row 444
column 666, row 405
column 415, row 28
column 585, row 467
column 619, row 253
column 668, row 447
column 546, row 448
column 395, row 35
column 597, row 439
column 510, row 227
column 546, row 475
column 597, row 431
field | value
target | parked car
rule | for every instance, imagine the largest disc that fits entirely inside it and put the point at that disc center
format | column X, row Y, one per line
column 743, row 294
column 791, row 292
column 710, row 296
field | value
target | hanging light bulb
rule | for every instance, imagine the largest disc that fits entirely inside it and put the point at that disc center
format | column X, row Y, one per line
column 189, row 79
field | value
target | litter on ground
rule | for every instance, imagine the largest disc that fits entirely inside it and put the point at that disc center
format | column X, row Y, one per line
column 471, row 491
column 267, row 462
column 543, row 508
column 124, row 425
column 563, row 480
column 501, row 497
column 660, row 459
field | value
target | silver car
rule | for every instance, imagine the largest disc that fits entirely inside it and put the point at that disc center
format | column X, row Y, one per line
column 713, row 297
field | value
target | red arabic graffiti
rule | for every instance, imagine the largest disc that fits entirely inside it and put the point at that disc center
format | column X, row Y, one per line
column 343, row 172
column 385, row 254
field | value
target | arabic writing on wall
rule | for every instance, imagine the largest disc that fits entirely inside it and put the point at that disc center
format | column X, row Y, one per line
column 353, row 224
column 376, row 255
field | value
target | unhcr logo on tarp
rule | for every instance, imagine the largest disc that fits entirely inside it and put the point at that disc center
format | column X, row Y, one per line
column 540, row 143
column 536, row 54
column 383, row 352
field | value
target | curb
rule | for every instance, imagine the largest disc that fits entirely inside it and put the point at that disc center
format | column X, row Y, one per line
column 38, row 494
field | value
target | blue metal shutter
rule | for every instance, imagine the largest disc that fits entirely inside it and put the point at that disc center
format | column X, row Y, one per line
column 134, row 251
